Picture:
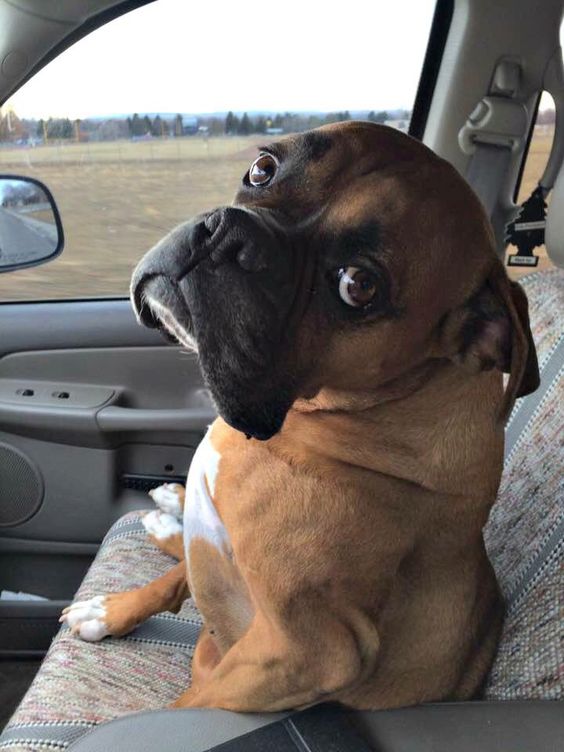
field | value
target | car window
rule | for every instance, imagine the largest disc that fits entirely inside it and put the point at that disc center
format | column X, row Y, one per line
column 156, row 116
column 537, row 157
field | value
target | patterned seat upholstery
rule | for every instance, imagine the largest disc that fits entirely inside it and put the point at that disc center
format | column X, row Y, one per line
column 525, row 531
column 83, row 684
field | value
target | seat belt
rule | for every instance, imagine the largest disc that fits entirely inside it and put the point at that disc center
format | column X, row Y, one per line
column 496, row 129
column 487, row 170
column 493, row 132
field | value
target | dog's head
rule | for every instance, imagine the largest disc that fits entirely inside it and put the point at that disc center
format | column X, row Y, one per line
column 351, row 256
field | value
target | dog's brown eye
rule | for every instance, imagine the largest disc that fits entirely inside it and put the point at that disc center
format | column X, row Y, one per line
column 263, row 170
column 357, row 287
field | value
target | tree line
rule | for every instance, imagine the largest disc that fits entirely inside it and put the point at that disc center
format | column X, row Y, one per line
column 293, row 122
column 136, row 125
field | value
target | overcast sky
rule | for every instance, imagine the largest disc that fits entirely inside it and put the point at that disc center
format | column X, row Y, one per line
column 216, row 55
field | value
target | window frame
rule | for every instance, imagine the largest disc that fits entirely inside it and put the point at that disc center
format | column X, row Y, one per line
column 440, row 28
column 79, row 32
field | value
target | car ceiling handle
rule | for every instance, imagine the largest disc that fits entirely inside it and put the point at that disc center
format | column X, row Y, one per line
column 113, row 419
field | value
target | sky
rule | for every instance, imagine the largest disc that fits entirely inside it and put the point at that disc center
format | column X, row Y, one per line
column 217, row 55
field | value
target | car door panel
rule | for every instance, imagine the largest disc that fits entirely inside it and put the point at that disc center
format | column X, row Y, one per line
column 93, row 396
column 94, row 410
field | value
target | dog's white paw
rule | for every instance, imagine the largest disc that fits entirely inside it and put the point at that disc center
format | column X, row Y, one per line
column 86, row 619
column 161, row 524
column 169, row 498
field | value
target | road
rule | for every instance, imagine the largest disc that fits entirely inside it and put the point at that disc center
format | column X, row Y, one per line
column 23, row 239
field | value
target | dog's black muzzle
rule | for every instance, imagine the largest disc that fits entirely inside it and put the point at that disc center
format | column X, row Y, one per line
column 247, row 241
column 231, row 280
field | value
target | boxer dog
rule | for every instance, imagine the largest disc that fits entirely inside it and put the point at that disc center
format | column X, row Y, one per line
column 353, row 322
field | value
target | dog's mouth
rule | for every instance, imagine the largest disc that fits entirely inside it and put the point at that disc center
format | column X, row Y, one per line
column 229, row 287
column 162, row 306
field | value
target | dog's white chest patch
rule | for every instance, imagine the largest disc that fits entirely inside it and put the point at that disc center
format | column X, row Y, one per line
column 201, row 519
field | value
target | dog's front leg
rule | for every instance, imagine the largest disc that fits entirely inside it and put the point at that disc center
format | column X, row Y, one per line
column 117, row 614
column 271, row 671
column 164, row 524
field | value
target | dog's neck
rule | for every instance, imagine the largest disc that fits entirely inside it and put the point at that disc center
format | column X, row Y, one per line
column 339, row 400
column 432, row 427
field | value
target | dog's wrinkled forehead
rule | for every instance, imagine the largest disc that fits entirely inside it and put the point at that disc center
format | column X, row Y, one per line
column 302, row 173
column 333, row 183
column 285, row 170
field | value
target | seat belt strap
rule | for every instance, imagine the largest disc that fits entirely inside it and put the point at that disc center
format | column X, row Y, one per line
column 486, row 172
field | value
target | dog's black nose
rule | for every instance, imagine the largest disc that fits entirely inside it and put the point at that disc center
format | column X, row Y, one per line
column 238, row 236
column 229, row 239
column 165, row 265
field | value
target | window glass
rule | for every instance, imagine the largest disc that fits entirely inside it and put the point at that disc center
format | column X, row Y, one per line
column 156, row 116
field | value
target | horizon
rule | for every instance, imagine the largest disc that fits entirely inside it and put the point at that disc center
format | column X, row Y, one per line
column 221, row 114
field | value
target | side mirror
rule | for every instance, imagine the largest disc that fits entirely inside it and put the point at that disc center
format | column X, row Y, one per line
column 31, row 232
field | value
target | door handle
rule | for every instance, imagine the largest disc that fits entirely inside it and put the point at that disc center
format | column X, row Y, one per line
column 113, row 419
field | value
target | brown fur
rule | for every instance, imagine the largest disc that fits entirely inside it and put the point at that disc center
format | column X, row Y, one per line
column 172, row 546
column 359, row 573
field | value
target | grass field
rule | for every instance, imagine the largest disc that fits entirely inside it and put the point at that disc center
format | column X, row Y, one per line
column 117, row 199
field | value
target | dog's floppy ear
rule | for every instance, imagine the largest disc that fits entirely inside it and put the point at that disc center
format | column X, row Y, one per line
column 491, row 330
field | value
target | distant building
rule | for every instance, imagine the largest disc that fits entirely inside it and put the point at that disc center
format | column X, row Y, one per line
column 400, row 125
column 189, row 125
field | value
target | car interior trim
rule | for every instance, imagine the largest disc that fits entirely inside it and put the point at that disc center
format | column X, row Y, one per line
column 440, row 28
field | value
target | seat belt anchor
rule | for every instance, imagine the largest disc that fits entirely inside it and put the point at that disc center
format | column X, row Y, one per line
column 496, row 121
